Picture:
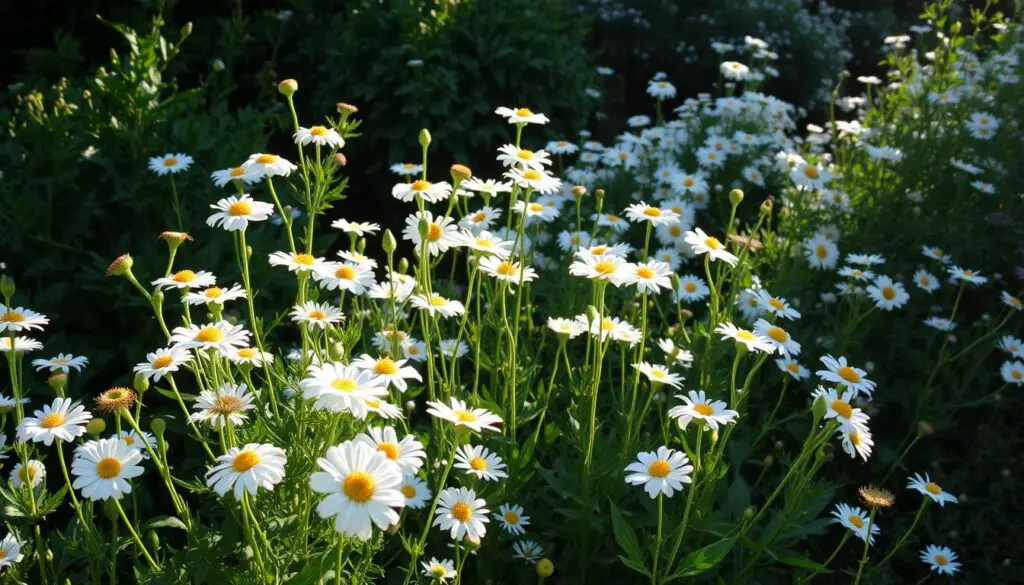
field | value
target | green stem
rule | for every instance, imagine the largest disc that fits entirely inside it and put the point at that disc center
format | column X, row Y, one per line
column 657, row 538
column 867, row 546
column 924, row 504
column 135, row 536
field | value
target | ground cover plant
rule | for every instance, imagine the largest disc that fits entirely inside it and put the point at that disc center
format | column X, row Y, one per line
column 712, row 351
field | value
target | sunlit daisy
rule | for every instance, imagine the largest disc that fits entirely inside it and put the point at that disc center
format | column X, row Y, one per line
column 745, row 337
column 567, row 327
column 393, row 372
column 10, row 551
column 63, row 419
column 480, row 462
column 660, row 472
column 361, row 487
column 940, row 559
column 440, row 232
column 926, row 281
column 339, row 387
column 406, row 169
column 539, row 181
column 701, row 243
column 651, row 276
column 268, row 165
column 512, row 519
column 778, row 337
column 63, row 362
column 1011, row 301
column 476, row 419
column 887, row 294
column 247, row 469
column 962, row 274
column 856, row 441
column 1012, row 372
column 297, row 262
column 20, row 344
column 698, row 407
column 527, row 550
column 407, row 453
column 521, row 116
column 461, row 513
column 608, row 268
column 162, row 362
column 102, row 469
column 821, row 252
column 422, row 189
column 314, row 314
column 642, row 212
column 927, row 487
column 441, row 571
column 692, row 288
column 229, row 403
column 936, row 253
column 186, row 279
column 659, row 374
column 839, row 406
column 34, row 476
column 234, row 213
column 436, row 304
column 777, row 306
column 246, row 176
column 221, row 336
column 416, row 492
column 839, row 372
column 856, row 520
column 507, row 270
column 170, row 163
column 319, row 135
column 793, row 368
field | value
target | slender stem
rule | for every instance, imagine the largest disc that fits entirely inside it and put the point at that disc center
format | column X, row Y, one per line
column 430, row 516
column 67, row 480
column 135, row 536
column 177, row 207
column 657, row 538
column 867, row 545
column 689, row 499
column 831, row 557
column 924, row 504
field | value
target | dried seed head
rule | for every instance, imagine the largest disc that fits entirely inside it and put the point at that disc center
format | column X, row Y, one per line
column 461, row 172
column 346, row 109
column 115, row 399
column 746, row 242
column 175, row 238
column 120, row 266
column 876, row 497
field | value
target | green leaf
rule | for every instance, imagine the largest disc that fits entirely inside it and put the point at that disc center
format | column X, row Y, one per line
column 164, row 522
column 795, row 560
column 625, row 536
column 635, row 566
column 703, row 559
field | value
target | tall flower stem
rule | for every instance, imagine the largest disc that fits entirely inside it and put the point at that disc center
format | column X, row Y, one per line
column 903, row 539
column 867, row 546
column 657, row 538
column 67, row 480
column 135, row 536
column 257, row 330
column 177, row 206
column 165, row 472
column 689, row 499
column 415, row 553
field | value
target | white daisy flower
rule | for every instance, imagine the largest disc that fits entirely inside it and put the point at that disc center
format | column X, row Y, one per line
column 810, row 176
column 887, row 294
column 102, row 469
column 461, row 513
column 793, row 368
column 214, row 295
column 777, row 306
column 10, row 551
column 441, row 571
column 163, row 362
column 971, row 276
column 228, row 404
column 838, row 406
column 440, row 232
column 488, row 187
column 34, row 476
column 701, row 243
column 1011, row 301
column 63, row 419
column 512, row 519
column 268, row 165
column 361, row 487
column 521, row 116
column 821, row 252
column 660, row 472
column 480, row 463
column 940, row 559
column 856, row 520
column 251, row 356
column 701, row 408
column 416, row 492
column 856, row 441
column 246, row 176
column 608, row 268
column 539, row 181
column 457, row 412
column 507, row 270
column 170, row 163
column 15, row 319
column 692, row 289
column 940, row 323
column 641, row 212
column 437, row 304
column 221, row 336
column 186, row 279
column 927, row 487
column 247, row 469
column 650, row 276
column 320, row 136
column 359, row 228
column 407, row 169
column 566, row 327
column 314, row 314
column 423, row 189
column 1012, row 372
column 777, row 336
column 297, row 262
column 338, row 387
column 510, row 156
column 19, row 344
column 484, row 243
column 926, row 281
column 527, row 550
column 745, row 337
column 63, row 362
column 235, row 212
column 393, row 372
column 839, row 372
column 133, row 440
column 659, row 374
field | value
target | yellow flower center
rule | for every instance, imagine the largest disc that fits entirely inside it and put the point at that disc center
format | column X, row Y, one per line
column 511, row 517
column 1016, row 374
column 662, row 84
column 623, row 156
column 344, row 384
column 1014, row 301
column 318, row 131
column 266, row 159
column 607, row 324
column 778, row 334
column 209, row 335
column 227, row 405
column 605, row 267
column 359, row 486
column 108, row 467
column 941, row 560
column 478, row 463
column 525, row 154
column 856, row 520
column 170, row 161
column 247, row 353
column 842, row 408
column 532, row 175
column 688, row 182
column 409, row 166
column 465, row 416
column 598, row 250
column 390, row 450
column 744, row 335
column 237, row 172
column 27, row 474
column 12, row 317
column 821, row 251
column 933, row 488
column 213, row 292
column 888, row 292
column 690, row 287
column 536, row 208
column 483, row 243
column 675, row 231
column 52, row 420
column 712, row 243
column 409, row 491
column 506, row 268
column 660, row 374
column 162, row 362
column 811, row 172
column 438, row 301
column 304, row 259
column 849, row 374
column 703, row 409
column 523, row 112
column 925, row 280
column 462, row 511
column 659, row 468
column 561, row 143
column 793, row 367
column 777, row 304
column 240, row 208
column 385, row 367
column 479, row 216
column 128, row 440
column 434, row 232
column 317, row 315
column 184, row 276
column 645, row 273
column 245, row 461
column 420, row 185
column 652, row 212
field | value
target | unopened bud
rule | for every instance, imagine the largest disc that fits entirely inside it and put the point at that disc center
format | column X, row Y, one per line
column 403, row 266
column 410, row 406
column 818, row 408
column 288, row 87
column 7, row 287
column 735, row 196
column 686, row 314
column 472, row 542
column 461, row 173
column 186, row 31
column 924, row 429
column 954, row 29
column 57, row 381
column 599, row 194
column 140, row 383
column 158, row 426
column 545, row 568
column 592, row 315
column 748, row 513
column 768, row 461
column 154, row 540
column 579, row 191
column 388, row 242
column 96, row 426
column 174, row 239
column 424, row 138
column 361, row 246
column 767, row 204
column 341, row 159
column 714, row 436
column 336, row 351
column 119, row 267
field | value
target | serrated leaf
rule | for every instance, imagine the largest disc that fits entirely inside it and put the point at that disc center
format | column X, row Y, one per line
column 625, row 536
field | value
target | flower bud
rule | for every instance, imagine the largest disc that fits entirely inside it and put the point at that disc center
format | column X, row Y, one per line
column 579, row 191
column 388, row 242
column 460, row 173
column 346, row 109
column 410, row 406
column 686, row 314
column 403, row 266
column 818, row 408
column 748, row 513
column 96, row 427
column 954, row 29
column 424, row 138
column 186, row 31
column 154, row 540
column 140, row 383
column 341, row 159
column 599, row 194
column 472, row 542
column 120, row 266
column 735, row 196
column 158, row 426
column 288, row 87
column 545, row 568
column 767, row 204
column 592, row 315
column 336, row 351
column 924, row 429
column 7, row 287
column 175, row 239
column 57, row 381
